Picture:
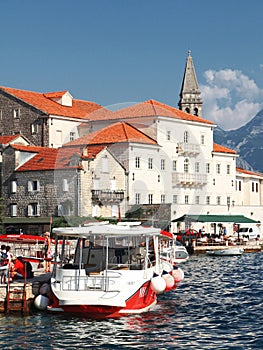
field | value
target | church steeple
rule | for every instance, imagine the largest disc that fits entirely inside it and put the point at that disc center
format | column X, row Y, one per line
column 190, row 96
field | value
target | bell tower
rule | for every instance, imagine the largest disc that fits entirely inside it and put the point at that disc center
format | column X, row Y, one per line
column 190, row 96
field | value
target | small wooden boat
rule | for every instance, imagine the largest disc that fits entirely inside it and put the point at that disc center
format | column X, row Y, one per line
column 232, row 251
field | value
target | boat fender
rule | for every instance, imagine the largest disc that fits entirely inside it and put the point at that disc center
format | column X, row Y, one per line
column 169, row 280
column 158, row 284
column 44, row 289
column 177, row 274
column 41, row 302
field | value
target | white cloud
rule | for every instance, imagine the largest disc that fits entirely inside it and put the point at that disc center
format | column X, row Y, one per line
column 230, row 98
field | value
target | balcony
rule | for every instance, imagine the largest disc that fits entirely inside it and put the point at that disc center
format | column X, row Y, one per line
column 189, row 180
column 107, row 196
column 188, row 149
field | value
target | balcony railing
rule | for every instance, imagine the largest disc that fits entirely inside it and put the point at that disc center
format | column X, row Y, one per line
column 188, row 148
column 188, row 179
column 107, row 196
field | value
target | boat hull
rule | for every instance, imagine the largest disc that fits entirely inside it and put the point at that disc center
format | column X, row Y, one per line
column 141, row 301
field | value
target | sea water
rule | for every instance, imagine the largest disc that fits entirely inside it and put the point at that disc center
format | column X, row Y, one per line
column 219, row 305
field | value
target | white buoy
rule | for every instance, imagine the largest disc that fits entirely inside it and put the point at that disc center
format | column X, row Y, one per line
column 158, row 284
column 178, row 274
column 41, row 302
column 169, row 280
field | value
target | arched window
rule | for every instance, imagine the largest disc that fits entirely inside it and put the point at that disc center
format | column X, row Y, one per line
column 196, row 111
column 186, row 165
column 186, row 137
column 187, row 110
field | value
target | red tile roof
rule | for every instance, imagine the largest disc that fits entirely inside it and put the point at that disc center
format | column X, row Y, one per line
column 45, row 158
column 147, row 109
column 80, row 109
column 4, row 140
column 118, row 132
column 222, row 149
column 248, row 172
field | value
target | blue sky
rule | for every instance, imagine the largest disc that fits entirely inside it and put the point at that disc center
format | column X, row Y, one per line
column 120, row 51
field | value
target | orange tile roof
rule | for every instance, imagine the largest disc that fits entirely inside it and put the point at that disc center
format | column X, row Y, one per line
column 118, row 132
column 80, row 109
column 222, row 149
column 248, row 172
column 45, row 158
column 147, row 109
column 8, row 138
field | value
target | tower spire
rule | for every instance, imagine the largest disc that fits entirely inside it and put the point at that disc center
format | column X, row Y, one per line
column 190, row 95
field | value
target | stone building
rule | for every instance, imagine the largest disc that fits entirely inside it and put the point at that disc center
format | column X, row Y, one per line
column 45, row 119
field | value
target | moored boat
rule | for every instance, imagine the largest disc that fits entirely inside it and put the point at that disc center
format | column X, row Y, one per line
column 231, row 251
column 116, row 270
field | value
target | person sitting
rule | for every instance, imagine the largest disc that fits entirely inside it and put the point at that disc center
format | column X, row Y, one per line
column 20, row 268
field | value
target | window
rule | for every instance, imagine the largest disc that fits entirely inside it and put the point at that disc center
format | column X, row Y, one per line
column 133, row 176
column 197, row 167
column 175, row 199
column 65, row 185
column 218, row 200
column 253, row 186
column 168, row 135
column 162, row 164
column 202, row 139
column 13, row 209
column 13, row 186
column 239, row 185
column 208, row 200
column 33, row 209
column 72, row 136
column 228, row 201
column 137, row 198
column 186, row 137
column 214, row 182
column 150, row 199
column 186, row 165
column 197, row 200
column 150, row 163
column 105, row 164
column 159, row 178
column 228, row 169
column 16, row 113
column 34, row 128
column 218, row 168
column 207, row 168
column 186, row 199
column 162, row 198
column 256, row 187
column 33, row 186
column 113, row 186
column 137, row 162
column 174, row 165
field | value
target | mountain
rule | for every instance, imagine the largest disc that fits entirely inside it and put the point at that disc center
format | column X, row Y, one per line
column 247, row 141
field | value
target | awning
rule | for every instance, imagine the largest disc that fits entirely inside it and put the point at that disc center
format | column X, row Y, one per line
column 237, row 219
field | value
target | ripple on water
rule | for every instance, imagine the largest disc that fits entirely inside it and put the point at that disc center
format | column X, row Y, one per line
column 218, row 306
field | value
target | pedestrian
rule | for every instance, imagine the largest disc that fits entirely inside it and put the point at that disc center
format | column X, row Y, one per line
column 3, row 264
column 47, row 252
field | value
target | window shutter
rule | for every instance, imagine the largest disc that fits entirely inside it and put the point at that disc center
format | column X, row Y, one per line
column 38, row 185
column 30, row 186
column 29, row 210
column 38, row 210
column 13, row 186
column 65, row 185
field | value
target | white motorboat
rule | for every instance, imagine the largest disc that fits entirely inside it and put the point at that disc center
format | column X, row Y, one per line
column 116, row 270
column 231, row 251
column 175, row 252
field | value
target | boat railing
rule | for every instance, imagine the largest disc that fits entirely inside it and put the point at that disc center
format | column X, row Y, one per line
column 94, row 282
